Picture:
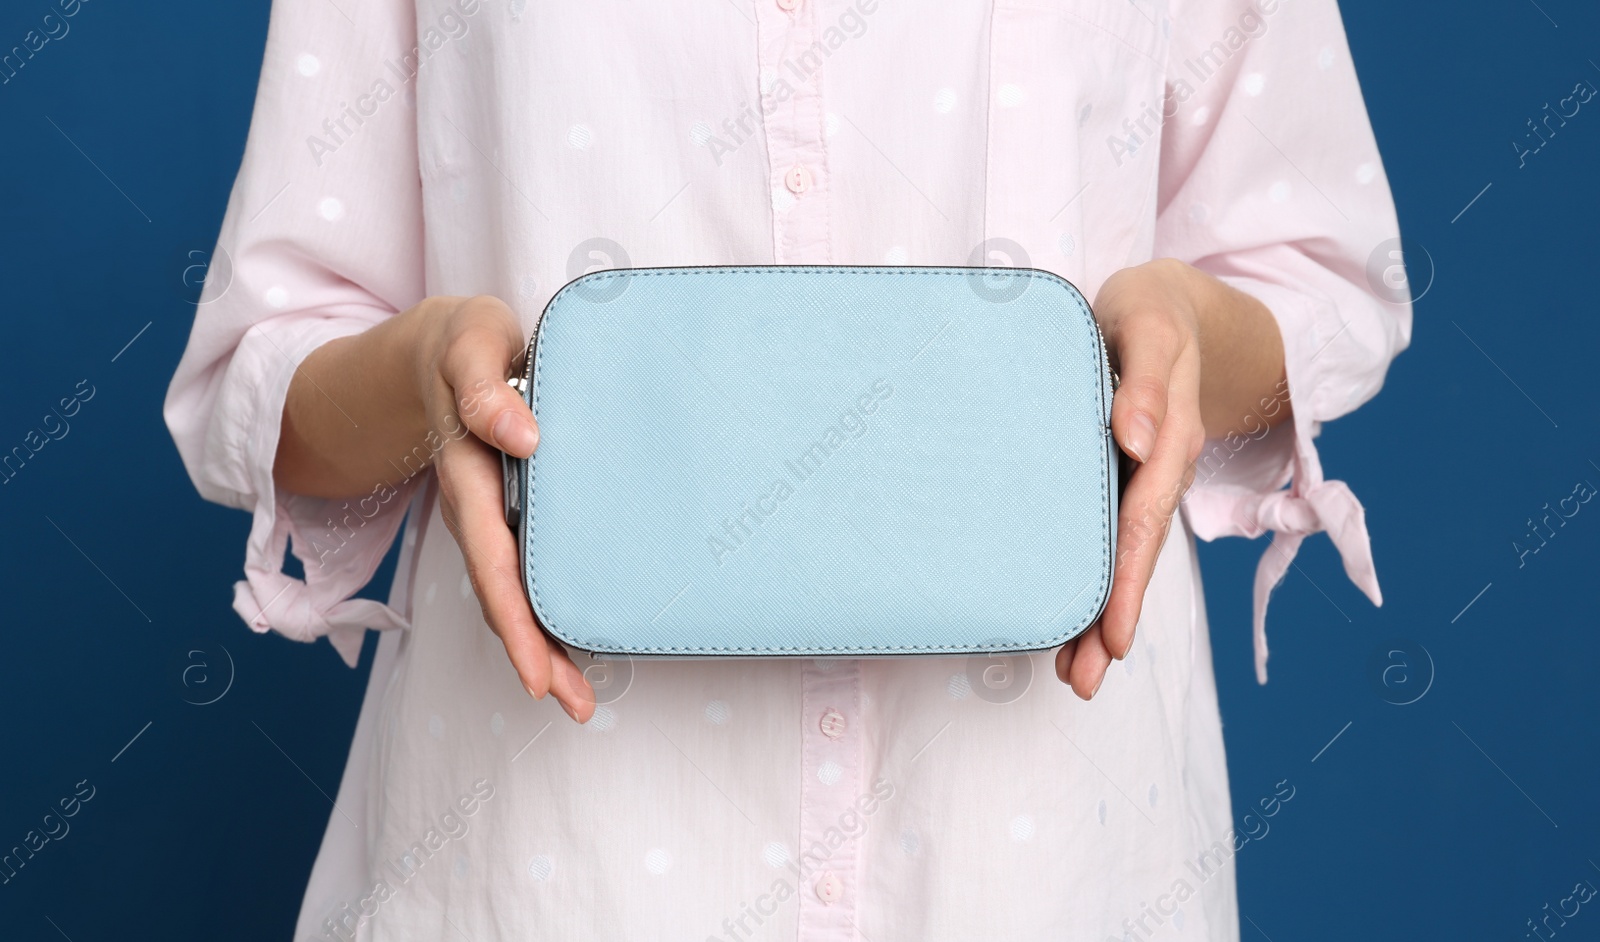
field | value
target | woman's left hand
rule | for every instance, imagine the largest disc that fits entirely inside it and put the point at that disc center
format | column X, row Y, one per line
column 1152, row 317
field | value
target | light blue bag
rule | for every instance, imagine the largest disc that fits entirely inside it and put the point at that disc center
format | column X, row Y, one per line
column 824, row 461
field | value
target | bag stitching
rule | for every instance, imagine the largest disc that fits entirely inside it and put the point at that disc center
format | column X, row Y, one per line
column 533, row 395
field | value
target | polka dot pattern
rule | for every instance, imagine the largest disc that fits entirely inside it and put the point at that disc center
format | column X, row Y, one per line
column 910, row 842
column 604, row 720
column 541, row 868
column 776, row 853
column 919, row 723
column 782, row 200
column 658, row 861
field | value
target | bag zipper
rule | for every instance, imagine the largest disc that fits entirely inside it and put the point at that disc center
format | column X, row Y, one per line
column 521, row 383
column 1105, row 356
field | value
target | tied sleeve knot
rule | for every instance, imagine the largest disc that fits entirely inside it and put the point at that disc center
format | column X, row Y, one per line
column 268, row 599
column 1327, row 506
column 278, row 602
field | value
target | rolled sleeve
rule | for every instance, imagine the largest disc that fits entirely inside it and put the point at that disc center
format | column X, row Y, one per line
column 323, row 239
column 1272, row 181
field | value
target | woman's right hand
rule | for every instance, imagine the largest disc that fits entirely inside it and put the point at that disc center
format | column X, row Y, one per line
column 428, row 386
column 466, row 349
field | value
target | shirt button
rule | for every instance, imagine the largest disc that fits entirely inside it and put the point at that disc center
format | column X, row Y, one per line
column 789, row 5
column 832, row 724
column 798, row 179
column 830, row 887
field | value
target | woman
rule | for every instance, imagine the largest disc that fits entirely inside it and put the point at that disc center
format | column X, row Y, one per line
column 421, row 177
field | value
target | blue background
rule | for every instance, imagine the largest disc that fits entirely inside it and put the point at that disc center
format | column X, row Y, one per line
column 1459, row 815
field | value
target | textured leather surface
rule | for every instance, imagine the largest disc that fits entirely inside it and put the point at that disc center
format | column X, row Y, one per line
column 817, row 460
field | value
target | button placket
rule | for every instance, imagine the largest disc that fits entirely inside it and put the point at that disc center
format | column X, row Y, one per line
column 832, row 773
column 793, row 118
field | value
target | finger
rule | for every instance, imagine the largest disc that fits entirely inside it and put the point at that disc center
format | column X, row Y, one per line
column 1145, row 515
column 469, row 478
column 568, row 684
column 1147, row 349
column 485, row 342
column 1089, row 663
column 1064, row 657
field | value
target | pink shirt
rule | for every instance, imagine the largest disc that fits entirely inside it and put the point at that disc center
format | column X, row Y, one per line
column 399, row 150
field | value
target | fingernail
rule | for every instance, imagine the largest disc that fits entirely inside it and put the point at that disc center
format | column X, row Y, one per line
column 570, row 712
column 514, row 434
column 1097, row 686
column 530, row 692
column 1141, row 436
